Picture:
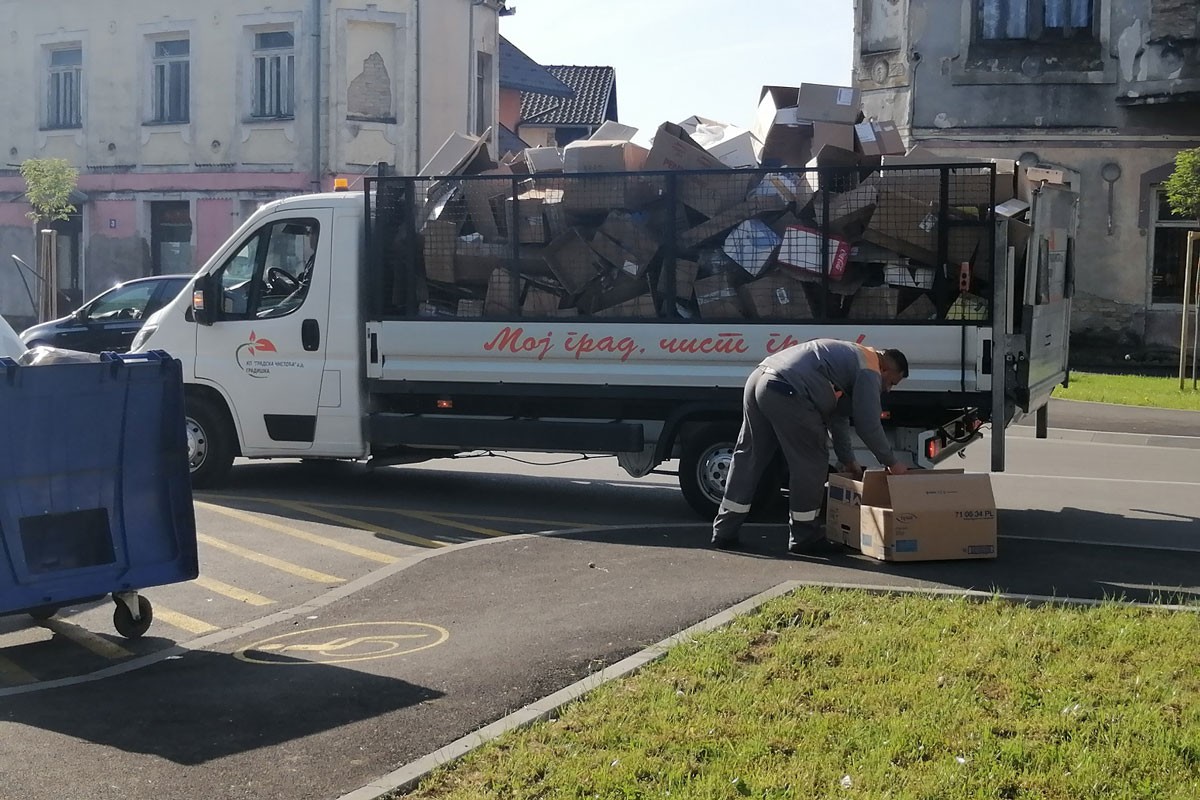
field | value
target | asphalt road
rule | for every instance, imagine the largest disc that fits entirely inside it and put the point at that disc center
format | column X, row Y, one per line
column 332, row 686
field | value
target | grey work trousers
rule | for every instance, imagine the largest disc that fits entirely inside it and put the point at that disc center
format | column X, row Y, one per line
column 775, row 416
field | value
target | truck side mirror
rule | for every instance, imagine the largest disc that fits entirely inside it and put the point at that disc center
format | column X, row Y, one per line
column 204, row 300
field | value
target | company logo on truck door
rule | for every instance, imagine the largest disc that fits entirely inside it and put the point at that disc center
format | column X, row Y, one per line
column 251, row 357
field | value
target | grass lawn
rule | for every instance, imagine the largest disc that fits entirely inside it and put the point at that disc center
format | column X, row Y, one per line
column 1131, row 390
column 839, row 694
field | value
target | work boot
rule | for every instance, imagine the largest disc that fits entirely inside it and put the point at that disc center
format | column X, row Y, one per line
column 726, row 544
column 808, row 539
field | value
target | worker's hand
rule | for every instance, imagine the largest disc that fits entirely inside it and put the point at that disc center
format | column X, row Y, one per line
column 897, row 469
column 854, row 470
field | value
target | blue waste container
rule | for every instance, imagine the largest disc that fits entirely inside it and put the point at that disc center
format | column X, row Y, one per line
column 95, row 496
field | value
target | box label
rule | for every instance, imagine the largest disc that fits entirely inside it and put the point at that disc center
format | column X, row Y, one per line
column 845, row 97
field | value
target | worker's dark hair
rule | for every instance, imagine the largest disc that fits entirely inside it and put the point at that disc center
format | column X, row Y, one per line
column 898, row 360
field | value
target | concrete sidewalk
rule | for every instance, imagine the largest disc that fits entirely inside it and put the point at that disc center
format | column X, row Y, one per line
column 1106, row 418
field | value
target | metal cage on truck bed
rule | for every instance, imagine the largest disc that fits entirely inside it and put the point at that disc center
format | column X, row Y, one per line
column 903, row 245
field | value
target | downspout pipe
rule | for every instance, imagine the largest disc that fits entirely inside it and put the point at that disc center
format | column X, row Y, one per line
column 316, row 106
column 419, row 161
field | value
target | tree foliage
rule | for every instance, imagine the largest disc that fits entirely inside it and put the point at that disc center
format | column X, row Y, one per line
column 1183, row 187
column 48, row 186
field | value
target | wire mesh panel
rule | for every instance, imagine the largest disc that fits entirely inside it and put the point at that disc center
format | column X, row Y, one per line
column 903, row 244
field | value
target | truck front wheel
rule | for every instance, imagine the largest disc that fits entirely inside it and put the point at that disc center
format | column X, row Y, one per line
column 704, row 468
column 209, row 442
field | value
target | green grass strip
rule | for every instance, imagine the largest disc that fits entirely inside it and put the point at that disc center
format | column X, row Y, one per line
column 1131, row 390
column 843, row 694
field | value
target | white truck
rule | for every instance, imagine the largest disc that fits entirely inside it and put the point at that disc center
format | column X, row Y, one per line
column 615, row 314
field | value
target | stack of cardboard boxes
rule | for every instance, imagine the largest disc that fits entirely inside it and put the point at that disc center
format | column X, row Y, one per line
column 837, row 221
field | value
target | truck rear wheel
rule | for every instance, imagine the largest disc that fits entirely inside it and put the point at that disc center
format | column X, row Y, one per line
column 704, row 468
column 209, row 442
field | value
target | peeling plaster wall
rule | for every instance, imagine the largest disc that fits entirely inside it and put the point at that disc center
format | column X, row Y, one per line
column 1132, row 102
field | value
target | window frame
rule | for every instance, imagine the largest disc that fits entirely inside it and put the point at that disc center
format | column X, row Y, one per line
column 284, row 108
column 1157, row 224
column 264, row 248
column 51, row 119
column 163, row 67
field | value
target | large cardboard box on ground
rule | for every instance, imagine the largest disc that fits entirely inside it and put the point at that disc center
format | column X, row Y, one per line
column 843, row 510
column 927, row 515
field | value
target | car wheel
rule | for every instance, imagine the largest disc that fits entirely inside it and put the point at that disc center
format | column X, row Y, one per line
column 704, row 468
column 209, row 443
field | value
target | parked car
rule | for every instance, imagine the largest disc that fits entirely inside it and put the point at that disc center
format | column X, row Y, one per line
column 110, row 320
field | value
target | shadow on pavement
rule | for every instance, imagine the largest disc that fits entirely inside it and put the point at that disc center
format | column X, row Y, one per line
column 210, row 705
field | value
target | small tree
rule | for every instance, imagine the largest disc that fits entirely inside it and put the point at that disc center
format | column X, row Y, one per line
column 1183, row 187
column 48, row 186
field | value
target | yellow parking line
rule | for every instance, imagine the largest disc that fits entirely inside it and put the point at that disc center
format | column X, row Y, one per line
column 270, row 561
column 349, row 522
column 13, row 675
column 324, row 541
column 86, row 639
column 449, row 523
column 182, row 621
column 232, row 592
column 550, row 523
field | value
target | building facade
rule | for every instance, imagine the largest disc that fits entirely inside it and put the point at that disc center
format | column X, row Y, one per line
column 1109, row 90
column 182, row 118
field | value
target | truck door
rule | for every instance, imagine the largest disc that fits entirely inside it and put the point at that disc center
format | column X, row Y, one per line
column 266, row 347
column 1049, row 285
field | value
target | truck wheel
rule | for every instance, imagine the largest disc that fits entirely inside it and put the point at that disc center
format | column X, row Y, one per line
column 209, row 443
column 704, row 468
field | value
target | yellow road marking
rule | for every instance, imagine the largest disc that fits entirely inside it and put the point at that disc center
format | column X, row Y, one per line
column 232, row 592
column 324, row 541
column 449, row 523
column 182, row 621
column 260, row 558
column 439, row 515
column 350, row 522
column 86, row 639
column 13, row 675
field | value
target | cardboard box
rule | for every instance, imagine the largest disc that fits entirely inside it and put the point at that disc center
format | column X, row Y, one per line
column 752, row 244
column 878, row 138
column 571, row 261
column 801, row 250
column 818, row 102
column 967, row 186
column 599, row 155
column 968, row 307
column 904, row 224
column 616, row 255
column 475, row 260
column 843, row 510
column 484, row 195
column 733, row 146
column 916, row 277
column 685, row 279
column 469, row 308
column 674, row 149
column 786, row 138
column 725, row 221
column 439, row 240
column 927, row 515
column 540, row 160
column 530, row 220
column 835, row 167
column 501, row 299
column 779, row 189
column 719, row 299
column 601, row 194
column 776, row 295
column 632, row 234
column 641, row 307
column 539, row 302
column 922, row 309
column 875, row 302
column 608, row 290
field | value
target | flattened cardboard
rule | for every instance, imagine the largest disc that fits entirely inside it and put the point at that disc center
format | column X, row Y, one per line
column 927, row 515
column 752, row 244
column 685, row 279
column 776, row 295
column 719, row 299
column 801, row 249
column 921, row 309
column 439, row 242
column 501, row 295
column 843, row 510
column 541, row 160
column 571, row 261
column 875, row 302
column 915, row 277
column 674, row 149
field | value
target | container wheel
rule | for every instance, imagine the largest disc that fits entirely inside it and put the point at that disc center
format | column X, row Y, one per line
column 42, row 613
column 704, row 468
column 124, row 622
column 209, row 443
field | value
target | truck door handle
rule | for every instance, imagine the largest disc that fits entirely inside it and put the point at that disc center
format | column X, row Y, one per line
column 310, row 334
